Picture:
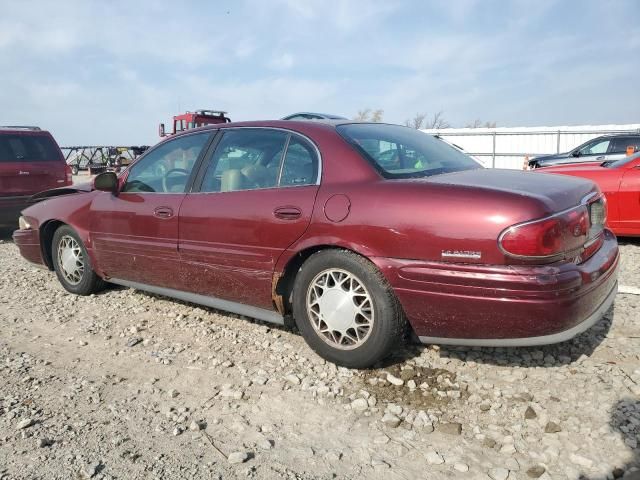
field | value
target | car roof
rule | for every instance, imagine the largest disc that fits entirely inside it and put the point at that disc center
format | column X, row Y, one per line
column 323, row 115
column 302, row 125
column 617, row 135
column 21, row 129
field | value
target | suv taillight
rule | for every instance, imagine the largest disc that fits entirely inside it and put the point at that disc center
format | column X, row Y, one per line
column 68, row 173
column 548, row 237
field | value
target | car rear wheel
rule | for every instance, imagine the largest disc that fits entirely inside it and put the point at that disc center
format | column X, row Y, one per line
column 346, row 310
column 72, row 264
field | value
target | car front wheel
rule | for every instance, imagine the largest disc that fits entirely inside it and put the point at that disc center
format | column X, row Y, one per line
column 346, row 310
column 72, row 264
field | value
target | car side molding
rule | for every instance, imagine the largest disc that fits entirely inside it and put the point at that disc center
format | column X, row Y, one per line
column 563, row 336
column 213, row 302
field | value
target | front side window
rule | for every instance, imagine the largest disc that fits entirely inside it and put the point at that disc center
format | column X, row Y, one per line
column 402, row 152
column 595, row 148
column 245, row 159
column 166, row 169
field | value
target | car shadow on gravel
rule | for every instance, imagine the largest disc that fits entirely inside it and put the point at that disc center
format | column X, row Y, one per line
column 629, row 241
column 5, row 234
column 555, row 355
column 625, row 419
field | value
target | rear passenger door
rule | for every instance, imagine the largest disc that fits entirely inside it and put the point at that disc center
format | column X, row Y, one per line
column 253, row 198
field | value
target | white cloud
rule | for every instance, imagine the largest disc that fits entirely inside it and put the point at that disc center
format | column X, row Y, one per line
column 283, row 61
column 110, row 71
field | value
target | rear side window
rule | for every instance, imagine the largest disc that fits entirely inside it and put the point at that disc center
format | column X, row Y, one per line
column 300, row 166
column 28, row 148
column 621, row 144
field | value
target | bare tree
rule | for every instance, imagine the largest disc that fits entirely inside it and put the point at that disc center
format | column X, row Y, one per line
column 420, row 120
column 417, row 121
column 376, row 116
column 437, row 121
column 368, row 115
column 362, row 115
column 477, row 123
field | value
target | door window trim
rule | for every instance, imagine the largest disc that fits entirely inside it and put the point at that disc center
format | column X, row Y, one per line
column 203, row 165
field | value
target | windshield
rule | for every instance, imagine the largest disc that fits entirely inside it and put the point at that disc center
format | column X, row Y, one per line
column 402, row 152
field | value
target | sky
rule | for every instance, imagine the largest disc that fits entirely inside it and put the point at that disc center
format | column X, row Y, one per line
column 108, row 72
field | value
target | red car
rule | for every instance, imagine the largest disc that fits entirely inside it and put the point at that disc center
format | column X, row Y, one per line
column 351, row 229
column 619, row 180
column 30, row 161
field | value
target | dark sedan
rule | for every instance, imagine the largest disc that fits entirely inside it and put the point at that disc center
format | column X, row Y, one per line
column 356, row 232
column 601, row 149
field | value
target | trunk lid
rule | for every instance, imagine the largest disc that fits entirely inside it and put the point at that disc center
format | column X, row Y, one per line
column 555, row 192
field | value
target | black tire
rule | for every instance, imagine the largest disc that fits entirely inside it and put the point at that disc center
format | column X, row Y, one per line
column 389, row 323
column 89, row 282
column 74, row 170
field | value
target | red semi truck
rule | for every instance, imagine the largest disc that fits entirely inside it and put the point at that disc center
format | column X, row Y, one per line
column 199, row 118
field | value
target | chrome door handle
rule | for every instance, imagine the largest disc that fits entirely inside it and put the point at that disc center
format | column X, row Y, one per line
column 163, row 212
column 287, row 213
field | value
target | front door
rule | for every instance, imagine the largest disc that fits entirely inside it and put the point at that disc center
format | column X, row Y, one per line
column 255, row 198
column 135, row 233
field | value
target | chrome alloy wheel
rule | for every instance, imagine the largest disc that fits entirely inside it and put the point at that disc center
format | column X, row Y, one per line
column 70, row 259
column 340, row 309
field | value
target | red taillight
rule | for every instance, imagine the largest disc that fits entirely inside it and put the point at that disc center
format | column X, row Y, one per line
column 68, row 173
column 548, row 237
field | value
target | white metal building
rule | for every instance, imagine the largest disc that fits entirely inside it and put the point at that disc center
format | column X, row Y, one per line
column 506, row 147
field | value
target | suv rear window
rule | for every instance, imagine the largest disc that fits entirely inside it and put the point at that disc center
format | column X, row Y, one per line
column 402, row 152
column 28, row 148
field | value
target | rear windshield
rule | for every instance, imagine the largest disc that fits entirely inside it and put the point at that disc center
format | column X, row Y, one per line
column 402, row 152
column 27, row 148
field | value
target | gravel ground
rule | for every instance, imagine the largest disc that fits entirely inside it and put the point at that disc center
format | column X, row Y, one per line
column 130, row 385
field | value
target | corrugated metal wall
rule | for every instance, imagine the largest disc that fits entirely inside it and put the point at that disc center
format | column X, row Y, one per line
column 507, row 147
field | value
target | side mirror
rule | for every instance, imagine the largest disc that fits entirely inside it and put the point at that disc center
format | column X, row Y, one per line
column 576, row 153
column 161, row 131
column 106, row 182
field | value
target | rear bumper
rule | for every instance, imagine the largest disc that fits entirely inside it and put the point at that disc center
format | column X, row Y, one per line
column 504, row 305
column 10, row 208
column 28, row 242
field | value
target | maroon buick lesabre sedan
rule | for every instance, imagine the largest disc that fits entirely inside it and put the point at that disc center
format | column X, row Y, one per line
column 354, row 231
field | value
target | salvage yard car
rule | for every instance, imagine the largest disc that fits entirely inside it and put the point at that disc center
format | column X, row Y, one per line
column 598, row 150
column 354, row 231
column 30, row 161
column 619, row 180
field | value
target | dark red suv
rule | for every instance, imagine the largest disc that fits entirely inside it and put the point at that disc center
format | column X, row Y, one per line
column 30, row 161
